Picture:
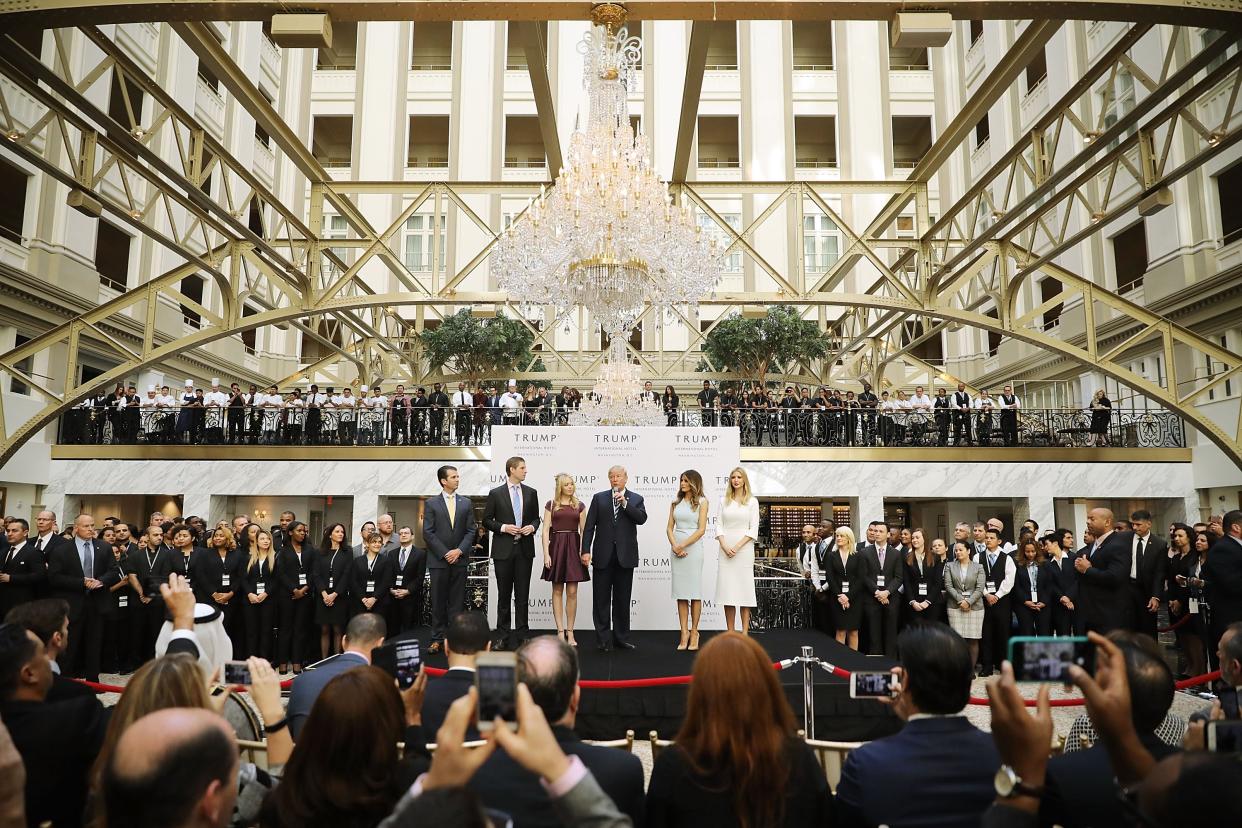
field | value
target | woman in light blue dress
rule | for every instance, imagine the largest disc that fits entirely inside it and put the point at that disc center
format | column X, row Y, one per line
column 687, row 521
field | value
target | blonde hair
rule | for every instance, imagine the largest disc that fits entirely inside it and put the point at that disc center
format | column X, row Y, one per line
column 852, row 546
column 559, row 485
column 729, row 490
column 228, row 535
column 255, row 557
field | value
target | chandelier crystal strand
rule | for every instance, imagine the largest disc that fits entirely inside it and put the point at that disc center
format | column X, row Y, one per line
column 616, row 399
column 608, row 236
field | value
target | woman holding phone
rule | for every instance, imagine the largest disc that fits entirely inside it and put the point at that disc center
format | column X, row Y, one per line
column 964, row 581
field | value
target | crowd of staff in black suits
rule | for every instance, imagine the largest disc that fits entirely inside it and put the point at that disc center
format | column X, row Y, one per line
column 1120, row 575
column 282, row 597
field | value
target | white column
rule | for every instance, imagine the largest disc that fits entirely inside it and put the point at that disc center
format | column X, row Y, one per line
column 864, row 128
column 199, row 502
column 766, row 127
column 366, row 507
column 870, row 507
column 381, row 127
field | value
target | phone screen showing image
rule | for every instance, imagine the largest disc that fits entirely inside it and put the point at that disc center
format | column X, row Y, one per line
column 408, row 661
column 497, row 693
column 864, row 685
column 1049, row 659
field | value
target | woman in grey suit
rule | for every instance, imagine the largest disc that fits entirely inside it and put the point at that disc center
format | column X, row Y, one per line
column 964, row 582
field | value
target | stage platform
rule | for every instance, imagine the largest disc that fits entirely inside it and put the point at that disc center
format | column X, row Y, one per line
column 607, row 712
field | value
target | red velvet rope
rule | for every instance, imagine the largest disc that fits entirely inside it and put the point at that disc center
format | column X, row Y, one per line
column 1175, row 625
column 669, row 681
column 590, row 684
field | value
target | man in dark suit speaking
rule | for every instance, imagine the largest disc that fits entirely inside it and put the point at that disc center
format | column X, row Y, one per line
column 549, row 668
column 512, row 516
column 1104, row 568
column 448, row 531
column 611, row 536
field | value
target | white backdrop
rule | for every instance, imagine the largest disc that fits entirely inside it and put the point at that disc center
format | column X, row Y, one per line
column 654, row 459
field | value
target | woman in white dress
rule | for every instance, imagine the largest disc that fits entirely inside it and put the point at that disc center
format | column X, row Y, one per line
column 738, row 528
column 687, row 521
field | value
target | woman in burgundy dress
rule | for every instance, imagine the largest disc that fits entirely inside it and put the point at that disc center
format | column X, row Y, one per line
column 563, row 517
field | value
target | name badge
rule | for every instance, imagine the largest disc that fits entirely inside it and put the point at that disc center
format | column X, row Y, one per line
column 301, row 579
column 331, row 582
column 187, row 580
column 400, row 580
column 260, row 588
column 845, row 587
column 879, row 582
column 370, row 587
column 224, row 579
column 1193, row 608
column 991, row 588
column 922, row 590
column 1034, row 596
column 122, row 601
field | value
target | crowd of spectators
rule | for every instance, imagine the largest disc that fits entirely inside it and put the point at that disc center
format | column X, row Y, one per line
column 801, row 415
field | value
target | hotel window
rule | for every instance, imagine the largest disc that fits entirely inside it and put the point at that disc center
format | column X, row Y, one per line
column 733, row 261
column 821, row 240
column 1130, row 257
column 420, row 241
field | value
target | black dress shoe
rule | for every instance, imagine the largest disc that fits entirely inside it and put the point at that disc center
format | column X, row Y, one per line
column 625, row 645
column 498, row 646
column 603, row 647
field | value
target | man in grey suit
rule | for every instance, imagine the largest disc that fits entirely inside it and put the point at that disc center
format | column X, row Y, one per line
column 512, row 516
column 448, row 531
column 365, row 632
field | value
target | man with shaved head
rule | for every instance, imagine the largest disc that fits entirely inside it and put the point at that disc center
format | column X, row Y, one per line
column 549, row 668
column 1104, row 572
column 81, row 572
column 174, row 768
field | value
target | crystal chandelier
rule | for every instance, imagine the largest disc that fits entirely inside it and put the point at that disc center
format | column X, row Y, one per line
column 616, row 399
column 607, row 237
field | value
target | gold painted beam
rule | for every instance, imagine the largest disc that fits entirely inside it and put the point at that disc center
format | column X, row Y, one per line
column 56, row 12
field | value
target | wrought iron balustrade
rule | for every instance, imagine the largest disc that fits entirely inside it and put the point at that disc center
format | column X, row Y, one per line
column 785, row 427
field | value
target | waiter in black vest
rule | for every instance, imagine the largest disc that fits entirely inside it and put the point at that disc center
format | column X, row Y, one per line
column 512, row 516
column 961, row 415
column 999, row 571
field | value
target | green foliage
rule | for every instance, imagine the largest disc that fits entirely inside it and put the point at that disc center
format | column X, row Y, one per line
column 753, row 347
column 475, row 348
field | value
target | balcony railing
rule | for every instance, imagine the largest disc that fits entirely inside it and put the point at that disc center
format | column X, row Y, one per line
column 424, row 425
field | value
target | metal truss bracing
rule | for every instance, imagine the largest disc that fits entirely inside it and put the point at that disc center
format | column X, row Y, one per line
column 970, row 267
column 74, row 12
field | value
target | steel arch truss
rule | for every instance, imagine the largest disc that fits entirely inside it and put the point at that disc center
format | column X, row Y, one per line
column 1044, row 196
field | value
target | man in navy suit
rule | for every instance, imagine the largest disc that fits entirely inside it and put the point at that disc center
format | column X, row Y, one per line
column 448, row 531
column 611, row 536
column 1104, row 570
column 512, row 516
column 956, row 760
column 365, row 632
column 467, row 636
column 81, row 572
column 549, row 668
